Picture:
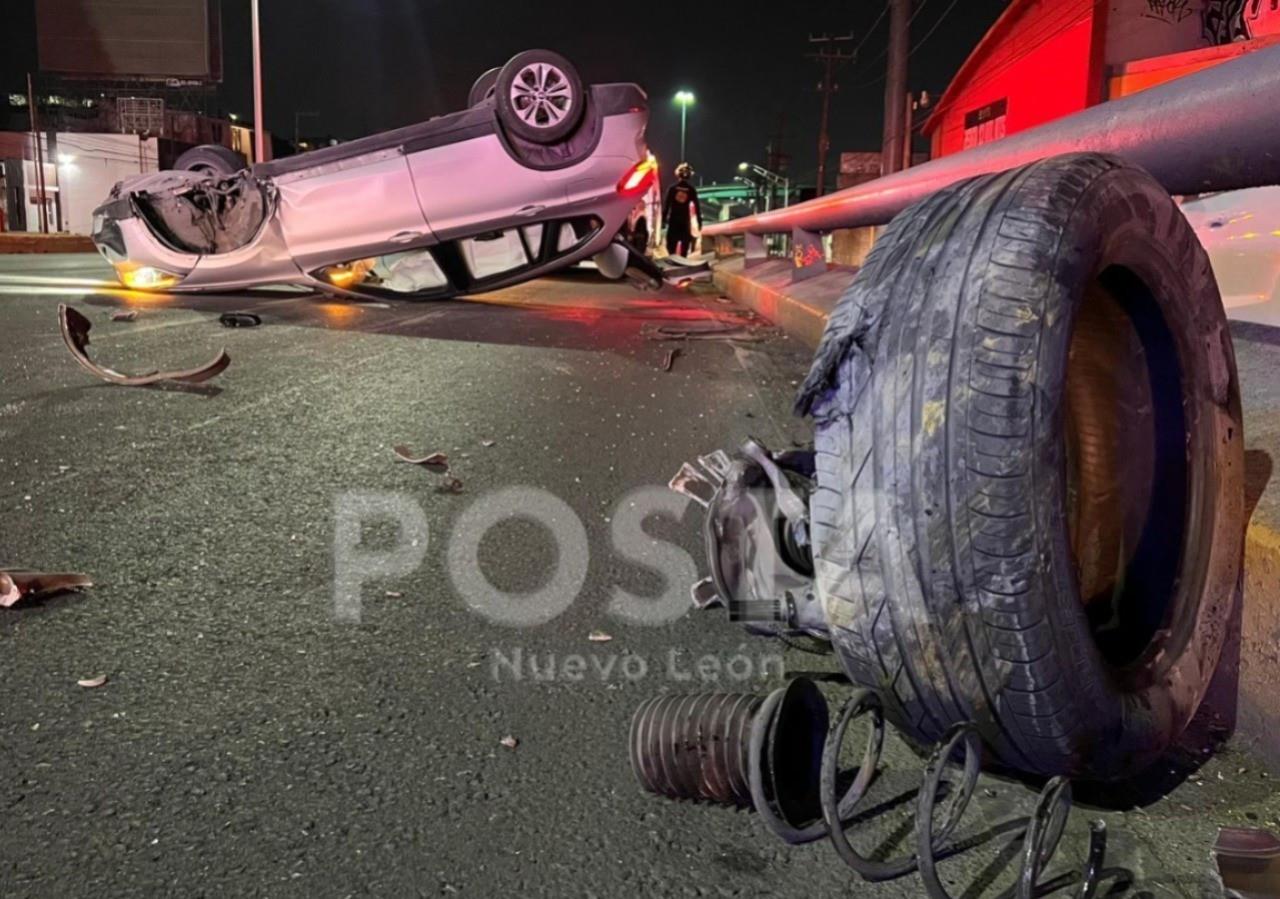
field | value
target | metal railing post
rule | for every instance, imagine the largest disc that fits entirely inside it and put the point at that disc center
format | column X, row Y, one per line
column 757, row 252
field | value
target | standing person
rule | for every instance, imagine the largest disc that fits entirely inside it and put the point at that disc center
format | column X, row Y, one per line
column 679, row 209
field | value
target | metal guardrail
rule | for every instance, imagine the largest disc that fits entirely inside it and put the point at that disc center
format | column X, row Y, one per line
column 1213, row 130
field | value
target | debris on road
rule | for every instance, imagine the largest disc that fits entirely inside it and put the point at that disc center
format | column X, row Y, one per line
column 1248, row 860
column 488, row 442
column 240, row 320
column 509, row 741
column 19, row 583
column 435, row 461
column 599, row 637
column 450, row 485
column 394, row 594
column 122, row 315
column 706, row 595
column 75, row 333
column 712, row 330
column 92, row 683
column 724, row 748
column 670, row 359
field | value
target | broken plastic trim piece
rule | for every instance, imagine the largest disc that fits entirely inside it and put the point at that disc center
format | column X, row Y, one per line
column 19, row 583
column 705, row 595
column 75, row 333
column 434, row 461
column 240, row 319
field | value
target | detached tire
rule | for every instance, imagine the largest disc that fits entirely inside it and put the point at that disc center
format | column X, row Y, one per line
column 1029, row 510
column 213, row 159
column 540, row 97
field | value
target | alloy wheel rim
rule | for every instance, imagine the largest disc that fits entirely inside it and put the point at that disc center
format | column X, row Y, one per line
column 541, row 95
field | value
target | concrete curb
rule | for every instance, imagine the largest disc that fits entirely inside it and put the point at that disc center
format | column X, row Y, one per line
column 23, row 242
column 801, row 309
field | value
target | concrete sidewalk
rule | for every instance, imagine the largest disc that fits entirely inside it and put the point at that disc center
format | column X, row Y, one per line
column 801, row 309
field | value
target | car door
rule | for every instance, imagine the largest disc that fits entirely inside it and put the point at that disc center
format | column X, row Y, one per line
column 474, row 186
column 351, row 209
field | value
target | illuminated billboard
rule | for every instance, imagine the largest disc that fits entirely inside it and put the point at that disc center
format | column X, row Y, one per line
column 149, row 39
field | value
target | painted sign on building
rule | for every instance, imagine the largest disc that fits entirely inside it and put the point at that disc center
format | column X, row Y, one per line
column 986, row 123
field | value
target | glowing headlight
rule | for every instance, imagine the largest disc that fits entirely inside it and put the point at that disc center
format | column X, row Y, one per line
column 144, row 277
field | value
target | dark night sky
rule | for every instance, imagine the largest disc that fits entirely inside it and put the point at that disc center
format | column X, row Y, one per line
column 369, row 65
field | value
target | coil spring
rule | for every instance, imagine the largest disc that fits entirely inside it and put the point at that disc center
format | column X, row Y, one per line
column 745, row 750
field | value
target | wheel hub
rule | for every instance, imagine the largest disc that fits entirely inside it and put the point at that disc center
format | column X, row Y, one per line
column 541, row 95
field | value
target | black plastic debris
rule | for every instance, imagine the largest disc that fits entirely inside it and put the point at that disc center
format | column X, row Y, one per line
column 240, row 320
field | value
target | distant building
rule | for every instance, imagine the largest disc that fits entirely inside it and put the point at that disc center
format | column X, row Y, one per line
column 87, row 144
column 120, row 86
column 1044, row 59
column 850, row 246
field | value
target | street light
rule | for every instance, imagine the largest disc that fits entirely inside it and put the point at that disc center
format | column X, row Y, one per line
column 259, row 136
column 773, row 178
column 685, row 99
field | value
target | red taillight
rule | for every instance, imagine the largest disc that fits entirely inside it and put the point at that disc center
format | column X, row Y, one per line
column 639, row 178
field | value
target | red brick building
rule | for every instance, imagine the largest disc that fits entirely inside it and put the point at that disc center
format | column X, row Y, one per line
column 1044, row 59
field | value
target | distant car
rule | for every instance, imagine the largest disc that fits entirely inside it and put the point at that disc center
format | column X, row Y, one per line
column 537, row 174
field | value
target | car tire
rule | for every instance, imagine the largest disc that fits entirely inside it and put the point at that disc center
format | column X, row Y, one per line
column 1029, row 510
column 540, row 97
column 213, row 159
column 483, row 88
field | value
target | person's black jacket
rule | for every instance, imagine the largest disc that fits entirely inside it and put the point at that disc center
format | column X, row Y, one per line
column 675, row 208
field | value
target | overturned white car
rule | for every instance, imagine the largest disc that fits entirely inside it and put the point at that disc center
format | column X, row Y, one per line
column 537, row 174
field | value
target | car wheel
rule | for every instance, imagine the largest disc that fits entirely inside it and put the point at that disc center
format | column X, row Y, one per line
column 483, row 88
column 540, row 96
column 211, row 159
column 1030, row 505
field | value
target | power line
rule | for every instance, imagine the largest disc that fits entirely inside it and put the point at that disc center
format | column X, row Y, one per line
column 942, row 18
column 885, row 52
column 918, row 44
column 872, row 30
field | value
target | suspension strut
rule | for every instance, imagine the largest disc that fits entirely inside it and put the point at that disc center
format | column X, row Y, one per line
column 756, row 535
column 774, row 753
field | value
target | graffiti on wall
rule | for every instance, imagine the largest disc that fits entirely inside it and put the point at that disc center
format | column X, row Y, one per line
column 1226, row 21
column 1170, row 11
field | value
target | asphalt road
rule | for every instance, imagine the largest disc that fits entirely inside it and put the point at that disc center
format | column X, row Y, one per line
column 251, row 740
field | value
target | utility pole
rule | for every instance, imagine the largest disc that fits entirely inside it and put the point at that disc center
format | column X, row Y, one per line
column 776, row 159
column 895, row 89
column 913, row 103
column 42, row 214
column 908, row 123
column 831, row 55
column 259, row 135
